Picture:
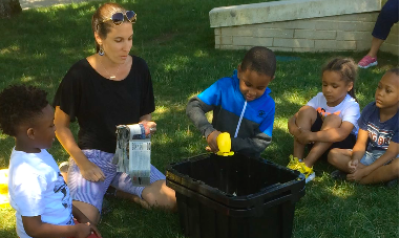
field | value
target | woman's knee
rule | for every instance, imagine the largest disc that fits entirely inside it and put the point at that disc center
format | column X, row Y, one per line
column 159, row 195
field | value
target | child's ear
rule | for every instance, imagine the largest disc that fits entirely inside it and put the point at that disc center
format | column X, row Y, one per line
column 30, row 132
column 350, row 86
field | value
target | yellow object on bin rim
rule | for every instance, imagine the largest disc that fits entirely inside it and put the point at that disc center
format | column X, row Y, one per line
column 224, row 144
column 4, row 187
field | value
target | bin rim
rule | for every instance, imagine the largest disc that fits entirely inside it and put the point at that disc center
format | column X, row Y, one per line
column 295, row 186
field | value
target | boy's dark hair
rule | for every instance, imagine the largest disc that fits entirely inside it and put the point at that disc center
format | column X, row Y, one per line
column 347, row 69
column 18, row 104
column 394, row 70
column 260, row 59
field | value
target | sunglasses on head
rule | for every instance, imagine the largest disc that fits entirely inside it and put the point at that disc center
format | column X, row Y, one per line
column 119, row 17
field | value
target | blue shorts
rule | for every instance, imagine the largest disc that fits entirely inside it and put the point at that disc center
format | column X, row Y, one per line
column 93, row 192
column 371, row 157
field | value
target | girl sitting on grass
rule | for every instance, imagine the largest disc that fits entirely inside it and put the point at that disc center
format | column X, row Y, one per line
column 329, row 120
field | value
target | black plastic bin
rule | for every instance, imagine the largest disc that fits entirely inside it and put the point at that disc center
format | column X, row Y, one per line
column 235, row 196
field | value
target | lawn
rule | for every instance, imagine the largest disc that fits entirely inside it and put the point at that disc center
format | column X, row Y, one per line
column 174, row 37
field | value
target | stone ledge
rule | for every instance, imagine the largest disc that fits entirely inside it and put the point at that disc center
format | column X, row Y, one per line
column 288, row 10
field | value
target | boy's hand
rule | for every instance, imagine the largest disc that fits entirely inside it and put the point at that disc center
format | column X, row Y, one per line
column 94, row 229
column 212, row 140
column 83, row 230
column 353, row 165
column 356, row 176
column 150, row 125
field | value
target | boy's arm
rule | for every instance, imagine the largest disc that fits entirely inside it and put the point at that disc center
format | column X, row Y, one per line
column 196, row 110
column 262, row 137
column 391, row 153
column 34, row 227
column 254, row 145
column 358, row 149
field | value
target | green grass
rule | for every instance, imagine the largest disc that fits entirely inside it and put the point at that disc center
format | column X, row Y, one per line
column 174, row 37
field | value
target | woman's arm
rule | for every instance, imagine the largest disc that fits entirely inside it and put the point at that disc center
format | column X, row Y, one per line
column 89, row 170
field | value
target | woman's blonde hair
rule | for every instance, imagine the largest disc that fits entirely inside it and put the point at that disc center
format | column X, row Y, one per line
column 105, row 11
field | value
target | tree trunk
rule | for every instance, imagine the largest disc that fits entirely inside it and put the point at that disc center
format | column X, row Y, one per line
column 9, row 8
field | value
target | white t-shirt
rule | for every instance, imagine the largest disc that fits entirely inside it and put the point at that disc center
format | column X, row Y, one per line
column 348, row 109
column 36, row 187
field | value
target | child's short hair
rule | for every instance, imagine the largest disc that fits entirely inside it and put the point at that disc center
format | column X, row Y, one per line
column 394, row 70
column 19, row 103
column 260, row 59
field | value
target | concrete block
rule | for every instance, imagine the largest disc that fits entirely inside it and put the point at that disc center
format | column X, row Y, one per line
column 326, row 25
column 242, row 31
column 305, row 24
column 325, row 44
column 365, row 26
column 252, row 41
column 390, row 48
column 225, row 31
column 363, row 45
column 347, row 26
column 313, row 34
column 273, row 32
column 394, row 29
column 223, row 40
column 224, row 47
column 346, row 35
column 346, row 45
column 295, row 49
column 392, row 39
column 282, row 49
column 325, row 50
column 293, row 43
column 368, row 17
column 287, row 10
column 284, row 24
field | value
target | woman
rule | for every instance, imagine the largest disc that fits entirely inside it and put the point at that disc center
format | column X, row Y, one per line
column 104, row 90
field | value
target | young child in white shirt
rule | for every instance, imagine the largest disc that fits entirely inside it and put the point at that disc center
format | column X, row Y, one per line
column 36, row 187
column 329, row 120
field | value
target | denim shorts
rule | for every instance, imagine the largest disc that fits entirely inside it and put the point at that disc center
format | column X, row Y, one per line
column 371, row 157
column 93, row 192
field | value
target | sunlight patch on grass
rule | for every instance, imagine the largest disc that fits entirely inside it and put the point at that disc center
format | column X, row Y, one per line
column 201, row 53
column 26, row 79
column 10, row 50
column 176, row 63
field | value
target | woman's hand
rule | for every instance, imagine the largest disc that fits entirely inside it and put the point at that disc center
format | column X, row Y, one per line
column 91, row 171
column 83, row 230
column 151, row 126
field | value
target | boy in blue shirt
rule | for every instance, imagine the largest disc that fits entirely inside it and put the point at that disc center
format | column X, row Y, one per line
column 374, row 158
column 241, row 105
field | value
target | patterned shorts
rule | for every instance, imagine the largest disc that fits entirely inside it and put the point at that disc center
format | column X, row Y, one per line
column 93, row 192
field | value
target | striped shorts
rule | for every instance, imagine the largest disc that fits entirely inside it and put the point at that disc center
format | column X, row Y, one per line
column 93, row 192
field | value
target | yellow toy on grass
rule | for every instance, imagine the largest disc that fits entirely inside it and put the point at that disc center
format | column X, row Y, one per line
column 4, row 187
column 224, row 144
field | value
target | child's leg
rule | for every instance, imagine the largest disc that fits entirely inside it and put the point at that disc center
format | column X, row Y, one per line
column 319, row 148
column 305, row 119
column 384, row 173
column 340, row 158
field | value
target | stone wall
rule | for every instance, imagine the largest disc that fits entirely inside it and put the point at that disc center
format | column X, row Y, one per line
column 345, row 32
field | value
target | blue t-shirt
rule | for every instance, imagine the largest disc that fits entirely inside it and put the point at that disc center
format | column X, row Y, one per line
column 379, row 133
